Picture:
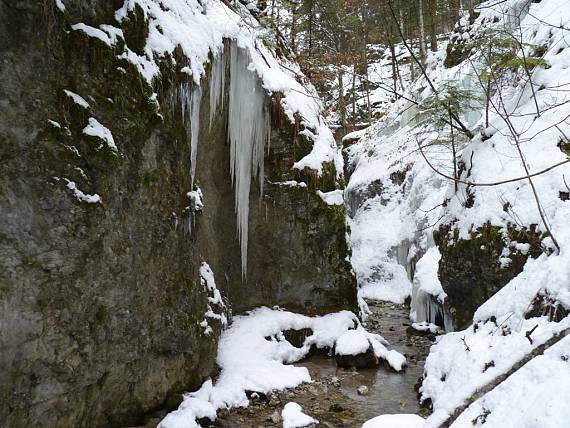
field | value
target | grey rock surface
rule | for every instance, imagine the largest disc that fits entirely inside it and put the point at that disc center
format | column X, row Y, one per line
column 100, row 303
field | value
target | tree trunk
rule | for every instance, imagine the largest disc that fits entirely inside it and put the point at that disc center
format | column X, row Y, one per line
column 341, row 102
column 422, row 31
column 433, row 25
column 294, row 8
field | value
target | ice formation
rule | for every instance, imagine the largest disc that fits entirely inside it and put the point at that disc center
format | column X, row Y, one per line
column 189, row 97
column 194, row 129
column 217, row 84
column 248, row 131
column 427, row 293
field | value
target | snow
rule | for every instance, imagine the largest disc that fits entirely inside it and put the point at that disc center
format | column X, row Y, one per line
column 200, row 28
column 293, row 416
column 292, row 183
column 426, row 326
column 95, row 129
column 254, row 355
column 352, row 342
column 323, row 151
column 215, row 301
column 54, row 123
column 395, row 421
column 93, row 32
column 60, row 5
column 334, row 197
column 542, row 385
column 77, row 99
column 83, row 197
column 196, row 200
column 404, row 215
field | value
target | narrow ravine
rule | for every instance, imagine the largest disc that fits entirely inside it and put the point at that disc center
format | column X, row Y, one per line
column 333, row 398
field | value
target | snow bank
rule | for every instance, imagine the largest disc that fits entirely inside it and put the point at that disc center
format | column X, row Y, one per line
column 254, row 355
column 539, row 392
column 395, row 421
column 293, row 416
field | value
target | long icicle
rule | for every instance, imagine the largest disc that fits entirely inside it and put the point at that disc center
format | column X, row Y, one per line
column 248, row 131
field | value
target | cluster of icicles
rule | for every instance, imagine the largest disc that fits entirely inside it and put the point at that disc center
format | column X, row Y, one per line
column 248, row 127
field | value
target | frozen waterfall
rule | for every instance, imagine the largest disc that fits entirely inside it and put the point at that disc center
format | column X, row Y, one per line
column 217, row 84
column 190, row 97
column 248, row 131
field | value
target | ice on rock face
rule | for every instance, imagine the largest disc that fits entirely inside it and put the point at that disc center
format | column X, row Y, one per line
column 194, row 129
column 217, row 84
column 427, row 293
column 189, row 97
column 248, row 126
column 248, row 131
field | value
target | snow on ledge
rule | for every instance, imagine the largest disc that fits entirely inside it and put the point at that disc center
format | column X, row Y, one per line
column 95, row 129
column 332, row 198
column 77, row 99
column 255, row 356
column 352, row 342
column 83, row 197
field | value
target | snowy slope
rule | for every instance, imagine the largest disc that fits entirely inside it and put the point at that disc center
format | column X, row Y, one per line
column 532, row 308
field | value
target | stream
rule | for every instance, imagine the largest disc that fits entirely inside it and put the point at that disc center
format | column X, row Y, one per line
column 333, row 398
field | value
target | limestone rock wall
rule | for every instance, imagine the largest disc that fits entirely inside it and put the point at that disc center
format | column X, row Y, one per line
column 100, row 302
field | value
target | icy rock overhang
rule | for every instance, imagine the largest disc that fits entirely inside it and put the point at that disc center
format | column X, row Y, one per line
column 201, row 31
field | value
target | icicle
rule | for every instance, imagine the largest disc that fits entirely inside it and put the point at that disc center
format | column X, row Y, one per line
column 194, row 130
column 217, row 84
column 248, row 131
column 190, row 100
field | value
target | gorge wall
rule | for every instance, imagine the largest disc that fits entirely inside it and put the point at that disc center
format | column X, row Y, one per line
column 102, row 307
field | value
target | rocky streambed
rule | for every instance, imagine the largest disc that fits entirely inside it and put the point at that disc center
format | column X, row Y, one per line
column 346, row 397
column 340, row 397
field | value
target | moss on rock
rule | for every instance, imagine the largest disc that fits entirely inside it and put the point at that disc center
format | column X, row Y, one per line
column 472, row 270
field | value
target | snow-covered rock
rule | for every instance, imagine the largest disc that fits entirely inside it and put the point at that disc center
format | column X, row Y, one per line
column 293, row 416
column 395, row 421
column 264, row 364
